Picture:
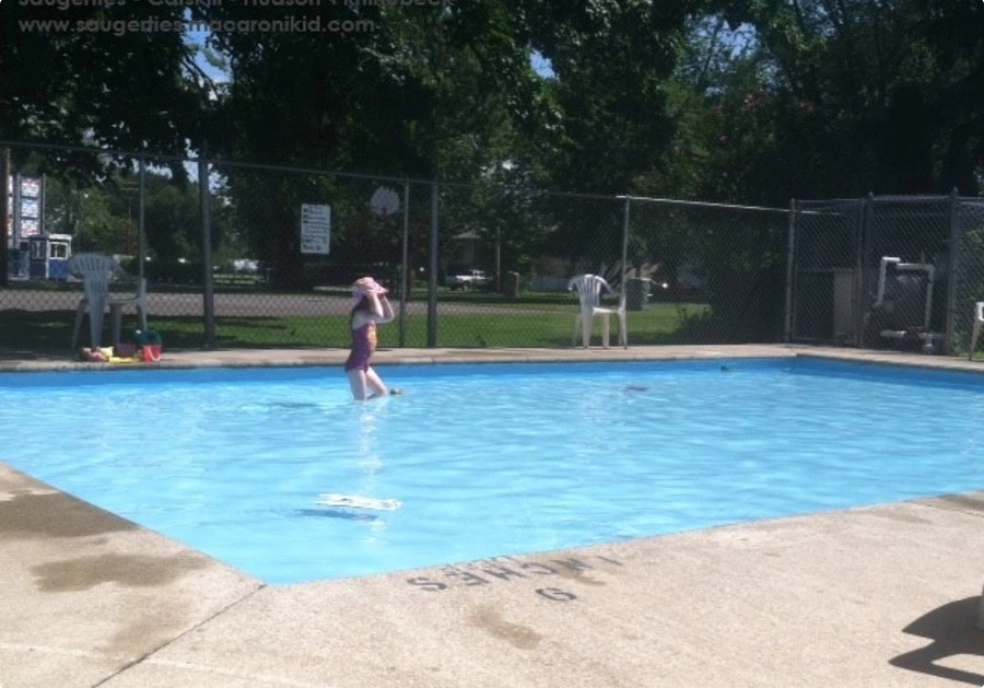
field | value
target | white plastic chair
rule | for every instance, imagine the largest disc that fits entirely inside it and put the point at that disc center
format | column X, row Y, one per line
column 97, row 272
column 589, row 291
column 978, row 321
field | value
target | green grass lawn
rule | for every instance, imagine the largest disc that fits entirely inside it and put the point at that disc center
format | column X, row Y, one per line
column 533, row 324
column 544, row 327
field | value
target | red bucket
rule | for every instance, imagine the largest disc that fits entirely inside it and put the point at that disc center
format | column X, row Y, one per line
column 151, row 353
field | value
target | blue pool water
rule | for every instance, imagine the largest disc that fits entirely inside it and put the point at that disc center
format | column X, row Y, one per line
column 488, row 459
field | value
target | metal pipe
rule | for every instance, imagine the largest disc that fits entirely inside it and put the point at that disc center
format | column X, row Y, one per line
column 860, row 286
column 432, row 278
column 4, row 238
column 625, row 238
column 142, row 170
column 931, row 276
column 405, row 263
column 625, row 257
column 208, row 298
column 952, row 271
column 790, row 258
column 882, row 271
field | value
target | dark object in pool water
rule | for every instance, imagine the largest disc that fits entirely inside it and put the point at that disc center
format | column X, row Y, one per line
column 727, row 369
column 636, row 388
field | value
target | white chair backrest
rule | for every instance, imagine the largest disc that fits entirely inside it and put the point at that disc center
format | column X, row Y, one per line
column 96, row 270
column 588, row 288
column 96, row 266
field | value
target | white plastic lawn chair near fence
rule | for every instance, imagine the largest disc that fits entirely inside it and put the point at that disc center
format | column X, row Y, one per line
column 978, row 321
column 589, row 292
column 97, row 272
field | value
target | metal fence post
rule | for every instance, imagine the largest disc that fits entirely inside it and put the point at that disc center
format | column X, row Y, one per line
column 625, row 238
column 858, row 283
column 952, row 271
column 405, row 264
column 865, row 243
column 790, row 257
column 15, row 216
column 4, row 219
column 142, row 204
column 208, row 298
column 433, row 263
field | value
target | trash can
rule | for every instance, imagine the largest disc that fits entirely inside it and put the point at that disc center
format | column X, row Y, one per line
column 636, row 293
column 510, row 285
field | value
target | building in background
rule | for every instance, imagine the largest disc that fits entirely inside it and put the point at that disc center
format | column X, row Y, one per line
column 32, row 253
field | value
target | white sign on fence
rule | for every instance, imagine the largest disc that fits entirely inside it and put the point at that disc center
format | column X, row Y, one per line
column 315, row 228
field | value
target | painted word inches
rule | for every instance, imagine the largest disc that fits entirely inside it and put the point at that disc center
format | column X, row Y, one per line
column 483, row 573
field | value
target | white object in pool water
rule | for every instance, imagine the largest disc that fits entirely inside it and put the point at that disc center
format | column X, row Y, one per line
column 356, row 502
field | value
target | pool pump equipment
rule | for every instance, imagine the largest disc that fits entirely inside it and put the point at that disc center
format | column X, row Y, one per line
column 899, row 302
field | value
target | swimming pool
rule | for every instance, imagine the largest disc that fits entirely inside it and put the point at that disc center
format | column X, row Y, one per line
column 487, row 459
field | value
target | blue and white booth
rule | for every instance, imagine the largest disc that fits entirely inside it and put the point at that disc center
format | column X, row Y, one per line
column 49, row 256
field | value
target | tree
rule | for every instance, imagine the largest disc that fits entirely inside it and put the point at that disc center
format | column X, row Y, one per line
column 605, row 111
column 611, row 62
column 880, row 97
column 419, row 91
column 78, row 74
column 85, row 212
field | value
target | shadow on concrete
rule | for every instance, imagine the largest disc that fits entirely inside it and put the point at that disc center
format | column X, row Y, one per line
column 953, row 631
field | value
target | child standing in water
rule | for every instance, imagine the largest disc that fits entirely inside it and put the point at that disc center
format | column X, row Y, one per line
column 371, row 308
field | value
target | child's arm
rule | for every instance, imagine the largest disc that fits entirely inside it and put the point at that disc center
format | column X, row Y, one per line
column 376, row 311
column 387, row 310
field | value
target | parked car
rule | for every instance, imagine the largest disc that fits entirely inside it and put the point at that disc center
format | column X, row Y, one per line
column 469, row 279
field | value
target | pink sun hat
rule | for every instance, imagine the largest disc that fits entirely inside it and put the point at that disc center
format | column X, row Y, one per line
column 367, row 285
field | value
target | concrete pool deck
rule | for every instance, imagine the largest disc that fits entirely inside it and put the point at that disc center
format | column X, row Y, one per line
column 878, row 596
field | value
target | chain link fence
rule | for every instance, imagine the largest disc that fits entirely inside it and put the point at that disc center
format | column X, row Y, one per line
column 825, row 272
column 231, row 261
column 522, row 246
column 304, row 237
column 886, row 272
column 967, row 270
column 716, row 273
column 222, row 246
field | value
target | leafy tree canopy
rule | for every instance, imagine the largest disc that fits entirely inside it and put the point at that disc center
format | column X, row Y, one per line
column 839, row 97
column 74, row 74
